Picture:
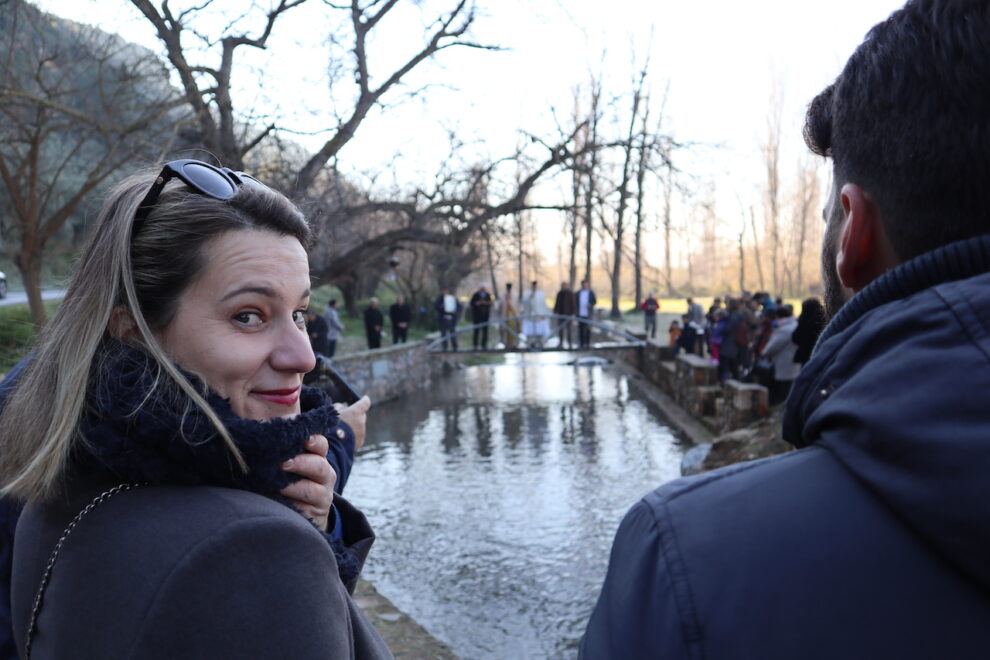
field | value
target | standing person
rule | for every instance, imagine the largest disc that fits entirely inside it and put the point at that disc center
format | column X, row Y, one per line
column 317, row 329
column 735, row 341
column 564, row 305
column 650, row 307
column 400, row 314
column 780, row 350
column 536, row 327
column 696, row 319
column 510, row 321
column 481, row 308
column 586, row 302
column 711, row 317
column 809, row 327
column 869, row 541
column 175, row 432
column 334, row 327
column 373, row 324
column 448, row 309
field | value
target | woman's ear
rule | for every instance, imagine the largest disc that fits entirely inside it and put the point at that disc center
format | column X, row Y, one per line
column 864, row 252
column 121, row 324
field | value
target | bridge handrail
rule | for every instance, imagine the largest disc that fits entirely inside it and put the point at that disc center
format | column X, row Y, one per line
column 632, row 339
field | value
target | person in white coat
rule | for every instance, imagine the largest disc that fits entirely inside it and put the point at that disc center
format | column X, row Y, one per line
column 536, row 329
column 780, row 350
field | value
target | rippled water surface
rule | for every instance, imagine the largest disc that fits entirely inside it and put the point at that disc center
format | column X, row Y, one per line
column 495, row 495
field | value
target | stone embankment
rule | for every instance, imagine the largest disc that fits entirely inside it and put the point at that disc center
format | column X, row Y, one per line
column 393, row 371
column 737, row 420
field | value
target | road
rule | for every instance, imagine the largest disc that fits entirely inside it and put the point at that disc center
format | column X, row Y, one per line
column 20, row 298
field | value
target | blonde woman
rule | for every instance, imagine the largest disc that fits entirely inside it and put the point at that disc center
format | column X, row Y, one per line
column 173, row 464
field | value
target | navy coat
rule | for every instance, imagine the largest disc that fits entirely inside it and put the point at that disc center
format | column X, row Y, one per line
column 871, row 542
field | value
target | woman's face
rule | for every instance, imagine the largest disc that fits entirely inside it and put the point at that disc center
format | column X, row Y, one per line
column 241, row 325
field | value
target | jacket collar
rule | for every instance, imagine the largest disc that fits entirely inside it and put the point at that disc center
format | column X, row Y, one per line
column 949, row 263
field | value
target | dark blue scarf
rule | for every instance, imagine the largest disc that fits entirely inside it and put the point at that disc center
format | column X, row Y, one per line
column 146, row 433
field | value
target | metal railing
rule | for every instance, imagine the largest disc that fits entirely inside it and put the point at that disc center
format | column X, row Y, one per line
column 504, row 328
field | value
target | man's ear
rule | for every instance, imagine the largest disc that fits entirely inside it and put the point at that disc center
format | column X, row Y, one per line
column 121, row 324
column 864, row 252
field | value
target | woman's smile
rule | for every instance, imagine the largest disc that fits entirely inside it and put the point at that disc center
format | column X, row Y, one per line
column 282, row 397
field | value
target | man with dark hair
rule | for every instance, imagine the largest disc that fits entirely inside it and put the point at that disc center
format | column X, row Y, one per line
column 481, row 308
column 316, row 328
column 870, row 541
column 586, row 302
column 400, row 313
column 373, row 322
column 565, row 304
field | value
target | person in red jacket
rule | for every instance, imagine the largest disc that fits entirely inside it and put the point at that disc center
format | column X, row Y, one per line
column 650, row 307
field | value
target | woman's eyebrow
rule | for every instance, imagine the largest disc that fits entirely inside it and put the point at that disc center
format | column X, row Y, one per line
column 250, row 288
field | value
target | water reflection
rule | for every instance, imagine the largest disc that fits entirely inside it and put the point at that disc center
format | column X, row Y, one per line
column 496, row 493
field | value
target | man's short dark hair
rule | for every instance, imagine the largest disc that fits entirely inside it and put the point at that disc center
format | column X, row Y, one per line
column 908, row 119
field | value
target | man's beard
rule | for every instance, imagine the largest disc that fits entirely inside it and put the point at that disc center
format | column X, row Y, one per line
column 835, row 294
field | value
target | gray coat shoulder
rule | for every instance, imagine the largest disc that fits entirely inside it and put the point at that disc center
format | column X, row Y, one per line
column 171, row 572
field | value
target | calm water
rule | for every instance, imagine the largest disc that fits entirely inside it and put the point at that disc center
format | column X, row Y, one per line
column 496, row 493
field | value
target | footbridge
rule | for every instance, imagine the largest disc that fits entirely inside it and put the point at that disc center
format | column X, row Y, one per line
column 537, row 332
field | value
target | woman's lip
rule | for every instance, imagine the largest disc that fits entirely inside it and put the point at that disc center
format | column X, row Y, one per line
column 283, row 397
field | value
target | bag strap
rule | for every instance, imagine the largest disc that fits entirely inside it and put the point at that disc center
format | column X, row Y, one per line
column 46, row 576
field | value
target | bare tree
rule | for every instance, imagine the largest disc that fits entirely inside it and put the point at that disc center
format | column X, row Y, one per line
column 771, row 153
column 806, row 200
column 641, row 170
column 756, row 248
column 629, row 151
column 77, row 104
column 591, row 196
column 207, row 88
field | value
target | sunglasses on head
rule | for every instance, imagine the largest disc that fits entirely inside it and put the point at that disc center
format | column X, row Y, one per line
column 202, row 178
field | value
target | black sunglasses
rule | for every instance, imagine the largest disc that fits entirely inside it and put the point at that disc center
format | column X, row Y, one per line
column 203, row 178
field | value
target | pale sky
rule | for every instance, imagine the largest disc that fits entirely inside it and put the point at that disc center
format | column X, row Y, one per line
column 720, row 59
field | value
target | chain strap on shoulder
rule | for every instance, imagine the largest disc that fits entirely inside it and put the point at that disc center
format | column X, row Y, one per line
column 46, row 576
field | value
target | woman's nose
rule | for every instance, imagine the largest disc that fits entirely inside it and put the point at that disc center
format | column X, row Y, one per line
column 292, row 351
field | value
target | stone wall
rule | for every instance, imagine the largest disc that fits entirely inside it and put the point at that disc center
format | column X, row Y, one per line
column 692, row 382
column 393, row 371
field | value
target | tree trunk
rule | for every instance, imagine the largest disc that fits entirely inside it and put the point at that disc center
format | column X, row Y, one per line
column 29, row 264
column 624, row 198
column 668, row 190
column 756, row 248
column 348, row 289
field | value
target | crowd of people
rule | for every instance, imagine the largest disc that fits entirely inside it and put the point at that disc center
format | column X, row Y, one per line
column 753, row 337
column 524, row 320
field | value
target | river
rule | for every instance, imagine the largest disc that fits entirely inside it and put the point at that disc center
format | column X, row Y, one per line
column 496, row 492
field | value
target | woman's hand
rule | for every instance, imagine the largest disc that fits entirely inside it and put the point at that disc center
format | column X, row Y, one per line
column 355, row 416
column 313, row 494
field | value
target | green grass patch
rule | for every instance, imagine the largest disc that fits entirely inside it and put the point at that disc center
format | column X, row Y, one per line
column 17, row 333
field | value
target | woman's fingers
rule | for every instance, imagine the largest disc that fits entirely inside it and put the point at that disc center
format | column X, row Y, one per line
column 313, row 494
column 355, row 415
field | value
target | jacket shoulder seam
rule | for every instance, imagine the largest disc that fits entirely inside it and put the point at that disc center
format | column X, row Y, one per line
column 687, row 610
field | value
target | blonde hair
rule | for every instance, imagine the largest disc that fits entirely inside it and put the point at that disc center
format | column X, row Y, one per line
column 143, row 275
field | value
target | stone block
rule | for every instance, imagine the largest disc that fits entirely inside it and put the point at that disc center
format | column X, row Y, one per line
column 742, row 403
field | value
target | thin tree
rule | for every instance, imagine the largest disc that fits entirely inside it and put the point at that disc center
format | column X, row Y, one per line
column 629, row 150
column 76, row 105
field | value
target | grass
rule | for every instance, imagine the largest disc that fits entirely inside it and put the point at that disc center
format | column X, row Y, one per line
column 17, row 333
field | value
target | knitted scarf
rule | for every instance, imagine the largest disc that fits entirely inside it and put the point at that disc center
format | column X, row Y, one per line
column 147, row 433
